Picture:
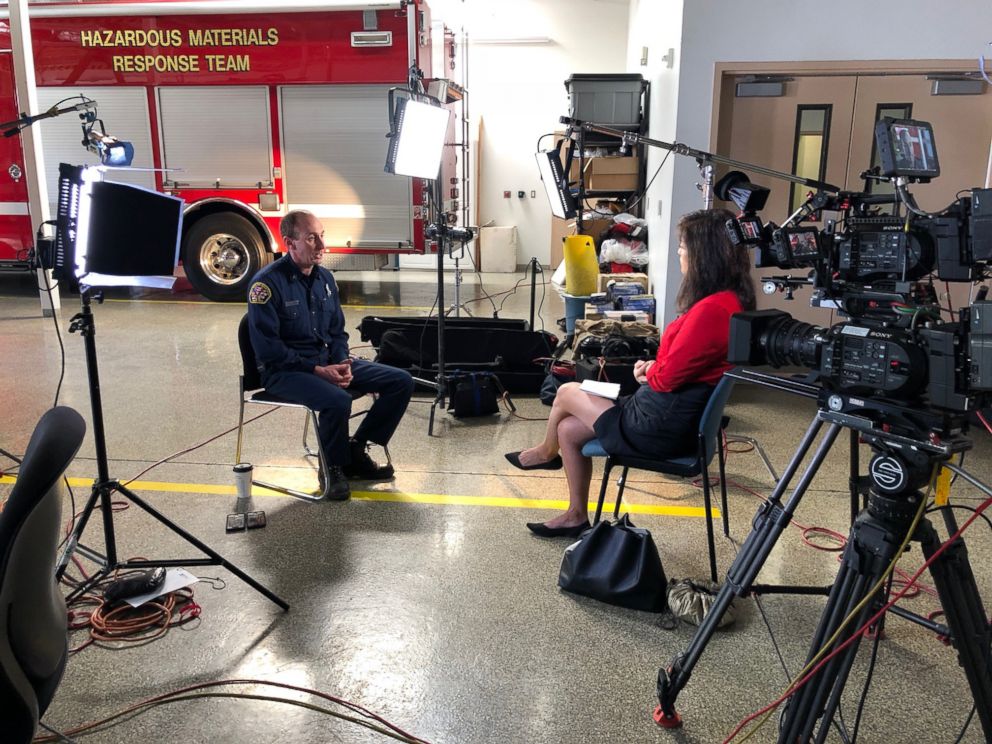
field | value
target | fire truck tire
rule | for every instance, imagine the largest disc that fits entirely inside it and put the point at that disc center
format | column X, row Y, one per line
column 221, row 254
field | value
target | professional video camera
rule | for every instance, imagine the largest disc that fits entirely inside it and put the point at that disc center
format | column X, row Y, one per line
column 896, row 356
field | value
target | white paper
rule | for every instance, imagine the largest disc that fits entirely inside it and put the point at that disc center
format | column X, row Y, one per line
column 175, row 578
column 610, row 390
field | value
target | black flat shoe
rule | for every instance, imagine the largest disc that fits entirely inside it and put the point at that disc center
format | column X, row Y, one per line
column 554, row 463
column 542, row 530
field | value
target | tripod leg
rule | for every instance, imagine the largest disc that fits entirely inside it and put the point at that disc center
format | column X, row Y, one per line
column 430, row 421
column 971, row 633
column 216, row 559
column 84, row 517
column 875, row 538
column 770, row 522
column 808, row 705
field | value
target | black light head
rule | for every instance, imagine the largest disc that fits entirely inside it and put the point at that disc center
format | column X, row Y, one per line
column 736, row 187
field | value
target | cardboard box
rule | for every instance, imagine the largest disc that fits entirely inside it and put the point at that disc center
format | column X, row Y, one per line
column 611, row 174
column 498, row 248
column 638, row 316
column 642, row 279
column 560, row 229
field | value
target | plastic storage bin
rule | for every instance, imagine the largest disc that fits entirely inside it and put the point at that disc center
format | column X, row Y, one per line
column 610, row 100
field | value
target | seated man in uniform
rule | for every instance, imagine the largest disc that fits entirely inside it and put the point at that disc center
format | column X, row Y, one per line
column 297, row 330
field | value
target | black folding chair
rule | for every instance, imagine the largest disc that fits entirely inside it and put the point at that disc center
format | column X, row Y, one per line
column 711, row 425
column 250, row 390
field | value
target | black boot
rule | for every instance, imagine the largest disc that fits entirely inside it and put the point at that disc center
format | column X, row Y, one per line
column 338, row 488
column 363, row 467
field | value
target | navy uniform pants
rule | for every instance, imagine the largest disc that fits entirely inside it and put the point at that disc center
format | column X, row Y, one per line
column 333, row 404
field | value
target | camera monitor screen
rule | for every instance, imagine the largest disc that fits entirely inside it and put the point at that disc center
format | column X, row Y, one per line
column 907, row 148
column 751, row 229
column 803, row 242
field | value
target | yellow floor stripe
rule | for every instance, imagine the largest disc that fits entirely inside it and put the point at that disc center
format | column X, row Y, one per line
column 503, row 502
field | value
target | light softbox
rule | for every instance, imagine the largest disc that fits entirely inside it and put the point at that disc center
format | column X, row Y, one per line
column 115, row 234
column 132, row 231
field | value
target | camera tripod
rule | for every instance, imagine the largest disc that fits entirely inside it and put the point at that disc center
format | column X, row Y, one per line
column 104, row 489
column 880, row 531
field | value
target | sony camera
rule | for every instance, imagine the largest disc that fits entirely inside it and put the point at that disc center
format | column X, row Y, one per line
column 876, row 266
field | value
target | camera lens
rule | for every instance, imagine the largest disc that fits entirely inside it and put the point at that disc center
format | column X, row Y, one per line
column 791, row 342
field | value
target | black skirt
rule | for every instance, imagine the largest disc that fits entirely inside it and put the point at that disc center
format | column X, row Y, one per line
column 650, row 424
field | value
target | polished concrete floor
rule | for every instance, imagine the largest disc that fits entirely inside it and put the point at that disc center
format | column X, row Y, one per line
column 425, row 599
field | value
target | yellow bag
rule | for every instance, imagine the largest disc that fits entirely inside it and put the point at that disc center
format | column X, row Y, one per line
column 581, row 265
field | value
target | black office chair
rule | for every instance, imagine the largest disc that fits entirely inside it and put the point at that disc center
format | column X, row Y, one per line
column 711, row 425
column 33, row 624
column 251, row 391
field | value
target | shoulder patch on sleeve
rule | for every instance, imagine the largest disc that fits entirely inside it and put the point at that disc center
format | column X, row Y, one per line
column 259, row 293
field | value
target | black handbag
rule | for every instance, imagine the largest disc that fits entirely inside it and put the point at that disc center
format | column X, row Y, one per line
column 616, row 563
column 609, row 370
column 558, row 373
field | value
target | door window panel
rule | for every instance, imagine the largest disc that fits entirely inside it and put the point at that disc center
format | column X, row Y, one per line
column 809, row 158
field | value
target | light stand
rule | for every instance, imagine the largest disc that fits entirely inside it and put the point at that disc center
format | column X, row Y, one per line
column 875, row 538
column 444, row 234
column 95, row 243
column 418, row 124
column 104, row 488
column 457, row 306
column 534, row 266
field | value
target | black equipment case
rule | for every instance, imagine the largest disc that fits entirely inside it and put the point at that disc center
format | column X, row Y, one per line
column 507, row 347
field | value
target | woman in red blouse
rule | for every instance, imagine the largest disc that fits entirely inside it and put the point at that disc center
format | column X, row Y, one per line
column 661, row 418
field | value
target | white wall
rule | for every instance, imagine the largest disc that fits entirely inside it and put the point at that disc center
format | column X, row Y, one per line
column 658, row 26
column 790, row 30
column 517, row 91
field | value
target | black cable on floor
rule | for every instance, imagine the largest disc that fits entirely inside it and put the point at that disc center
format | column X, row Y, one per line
column 58, row 334
column 967, row 723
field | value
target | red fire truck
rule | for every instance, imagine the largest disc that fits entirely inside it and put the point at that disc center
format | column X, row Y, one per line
column 243, row 115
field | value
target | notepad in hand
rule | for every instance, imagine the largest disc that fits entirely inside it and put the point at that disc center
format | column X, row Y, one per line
column 610, row 390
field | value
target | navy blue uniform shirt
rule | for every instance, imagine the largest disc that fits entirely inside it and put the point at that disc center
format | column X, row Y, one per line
column 295, row 321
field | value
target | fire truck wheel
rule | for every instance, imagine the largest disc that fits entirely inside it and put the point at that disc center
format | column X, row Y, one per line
column 221, row 253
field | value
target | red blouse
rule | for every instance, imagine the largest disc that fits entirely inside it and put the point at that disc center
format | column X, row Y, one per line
column 694, row 346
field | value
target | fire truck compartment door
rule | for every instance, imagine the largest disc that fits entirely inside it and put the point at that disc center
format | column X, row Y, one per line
column 124, row 112
column 334, row 152
column 218, row 135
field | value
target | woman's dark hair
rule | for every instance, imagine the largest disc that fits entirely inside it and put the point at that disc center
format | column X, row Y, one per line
column 715, row 263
